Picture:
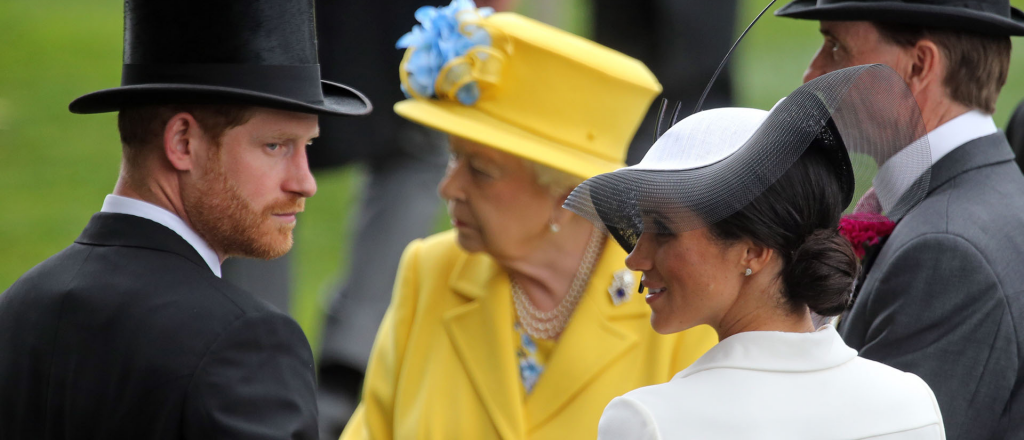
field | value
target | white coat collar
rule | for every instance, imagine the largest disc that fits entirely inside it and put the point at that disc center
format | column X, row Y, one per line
column 776, row 351
column 149, row 211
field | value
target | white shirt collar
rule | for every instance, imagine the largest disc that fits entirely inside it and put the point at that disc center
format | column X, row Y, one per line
column 958, row 131
column 893, row 178
column 149, row 211
column 776, row 351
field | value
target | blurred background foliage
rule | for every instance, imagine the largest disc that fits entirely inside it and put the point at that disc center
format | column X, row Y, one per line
column 55, row 167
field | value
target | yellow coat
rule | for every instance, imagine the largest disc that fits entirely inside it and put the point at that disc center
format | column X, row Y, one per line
column 444, row 367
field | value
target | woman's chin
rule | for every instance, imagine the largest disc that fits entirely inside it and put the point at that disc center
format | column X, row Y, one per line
column 666, row 325
column 469, row 241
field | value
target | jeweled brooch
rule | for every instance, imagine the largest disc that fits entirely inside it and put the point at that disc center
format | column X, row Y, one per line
column 623, row 282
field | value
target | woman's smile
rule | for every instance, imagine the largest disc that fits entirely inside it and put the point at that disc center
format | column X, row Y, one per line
column 654, row 294
column 654, row 289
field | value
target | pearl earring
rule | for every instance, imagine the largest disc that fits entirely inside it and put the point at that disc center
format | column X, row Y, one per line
column 554, row 227
column 748, row 272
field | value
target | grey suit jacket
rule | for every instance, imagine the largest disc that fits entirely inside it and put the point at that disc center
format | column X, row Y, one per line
column 945, row 297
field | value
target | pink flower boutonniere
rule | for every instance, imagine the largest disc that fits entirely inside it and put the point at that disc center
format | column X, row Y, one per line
column 864, row 230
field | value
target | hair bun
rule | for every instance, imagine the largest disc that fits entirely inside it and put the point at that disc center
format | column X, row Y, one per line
column 821, row 273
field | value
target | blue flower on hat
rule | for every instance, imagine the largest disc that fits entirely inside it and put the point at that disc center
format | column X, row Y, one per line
column 438, row 40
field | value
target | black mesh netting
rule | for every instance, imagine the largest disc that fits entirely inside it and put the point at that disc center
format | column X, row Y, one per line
column 713, row 163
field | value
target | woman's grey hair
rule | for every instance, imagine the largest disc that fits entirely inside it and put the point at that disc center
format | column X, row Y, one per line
column 558, row 183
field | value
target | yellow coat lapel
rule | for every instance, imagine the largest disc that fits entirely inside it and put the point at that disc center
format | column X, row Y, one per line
column 446, row 367
column 481, row 332
column 591, row 341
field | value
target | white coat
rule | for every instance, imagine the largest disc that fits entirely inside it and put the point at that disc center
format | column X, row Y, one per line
column 775, row 385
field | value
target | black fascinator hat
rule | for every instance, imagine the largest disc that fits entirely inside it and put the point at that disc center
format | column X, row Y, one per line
column 715, row 162
column 255, row 52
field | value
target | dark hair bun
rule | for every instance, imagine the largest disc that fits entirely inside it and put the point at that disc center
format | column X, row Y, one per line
column 798, row 216
column 821, row 273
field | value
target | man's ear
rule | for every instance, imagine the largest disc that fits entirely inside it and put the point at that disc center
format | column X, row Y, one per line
column 181, row 136
column 927, row 66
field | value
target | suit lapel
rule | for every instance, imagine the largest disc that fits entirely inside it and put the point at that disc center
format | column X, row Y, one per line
column 481, row 333
column 869, row 260
column 984, row 151
column 590, row 342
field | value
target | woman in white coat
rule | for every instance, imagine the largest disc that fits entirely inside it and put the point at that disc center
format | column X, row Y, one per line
column 733, row 219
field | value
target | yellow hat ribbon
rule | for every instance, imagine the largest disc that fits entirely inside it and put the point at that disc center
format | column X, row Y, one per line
column 481, row 66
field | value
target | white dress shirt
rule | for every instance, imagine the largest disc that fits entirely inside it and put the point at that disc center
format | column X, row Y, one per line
column 775, row 385
column 904, row 168
column 958, row 131
column 149, row 211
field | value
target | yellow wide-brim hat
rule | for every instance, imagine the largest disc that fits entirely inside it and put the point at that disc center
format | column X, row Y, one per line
column 560, row 100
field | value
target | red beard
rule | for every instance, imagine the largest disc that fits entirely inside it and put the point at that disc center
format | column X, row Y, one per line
column 230, row 224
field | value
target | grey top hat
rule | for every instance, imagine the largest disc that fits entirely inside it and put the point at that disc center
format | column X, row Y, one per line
column 254, row 52
column 994, row 17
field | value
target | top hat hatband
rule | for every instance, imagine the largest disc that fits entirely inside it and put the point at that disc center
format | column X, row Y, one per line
column 981, row 16
column 257, row 52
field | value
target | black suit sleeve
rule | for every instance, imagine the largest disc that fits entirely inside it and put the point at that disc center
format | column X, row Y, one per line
column 939, row 312
column 256, row 382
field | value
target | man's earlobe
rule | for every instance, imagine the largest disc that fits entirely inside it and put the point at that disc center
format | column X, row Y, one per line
column 179, row 141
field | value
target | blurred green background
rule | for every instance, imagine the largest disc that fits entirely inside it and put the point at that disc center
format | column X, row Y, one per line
column 55, row 167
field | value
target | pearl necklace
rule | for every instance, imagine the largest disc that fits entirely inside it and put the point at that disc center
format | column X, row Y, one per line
column 548, row 325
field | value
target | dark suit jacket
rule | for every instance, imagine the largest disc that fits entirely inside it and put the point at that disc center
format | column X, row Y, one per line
column 945, row 298
column 127, row 334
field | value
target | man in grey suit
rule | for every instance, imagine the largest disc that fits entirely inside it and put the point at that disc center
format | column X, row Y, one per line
column 944, row 297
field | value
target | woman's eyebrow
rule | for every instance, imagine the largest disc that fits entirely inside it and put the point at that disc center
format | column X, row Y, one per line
column 482, row 160
column 658, row 219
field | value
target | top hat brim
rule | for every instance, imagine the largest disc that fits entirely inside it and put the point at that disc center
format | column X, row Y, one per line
column 947, row 17
column 339, row 100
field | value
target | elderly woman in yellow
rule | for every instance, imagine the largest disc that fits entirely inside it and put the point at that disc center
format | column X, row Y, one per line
column 521, row 323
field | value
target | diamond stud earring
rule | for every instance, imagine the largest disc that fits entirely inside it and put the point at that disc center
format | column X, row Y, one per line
column 748, row 272
column 555, row 227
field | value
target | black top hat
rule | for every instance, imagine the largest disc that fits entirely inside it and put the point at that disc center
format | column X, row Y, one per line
column 253, row 52
column 994, row 17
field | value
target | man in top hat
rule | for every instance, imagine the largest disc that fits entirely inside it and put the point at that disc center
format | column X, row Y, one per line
column 943, row 298
column 130, row 332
